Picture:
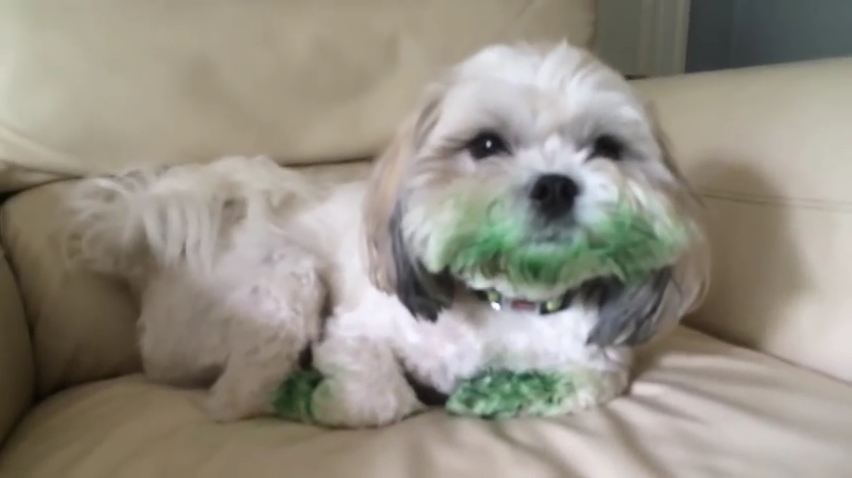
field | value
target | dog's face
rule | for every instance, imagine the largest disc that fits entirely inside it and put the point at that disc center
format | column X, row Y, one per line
column 521, row 154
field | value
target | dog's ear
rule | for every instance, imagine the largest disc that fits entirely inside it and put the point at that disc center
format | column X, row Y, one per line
column 631, row 315
column 634, row 314
column 391, row 268
column 423, row 293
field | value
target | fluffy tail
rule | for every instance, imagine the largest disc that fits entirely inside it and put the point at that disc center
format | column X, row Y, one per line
column 123, row 224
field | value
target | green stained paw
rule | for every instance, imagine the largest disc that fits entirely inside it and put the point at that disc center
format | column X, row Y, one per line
column 504, row 394
column 292, row 400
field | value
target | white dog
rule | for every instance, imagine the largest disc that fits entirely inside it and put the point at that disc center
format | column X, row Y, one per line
column 244, row 269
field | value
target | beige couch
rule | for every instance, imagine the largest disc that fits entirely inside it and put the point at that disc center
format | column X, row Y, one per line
column 757, row 384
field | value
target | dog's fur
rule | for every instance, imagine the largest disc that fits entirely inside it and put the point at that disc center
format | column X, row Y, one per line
column 240, row 266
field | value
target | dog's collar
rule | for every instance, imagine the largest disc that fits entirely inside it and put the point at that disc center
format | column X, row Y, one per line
column 498, row 301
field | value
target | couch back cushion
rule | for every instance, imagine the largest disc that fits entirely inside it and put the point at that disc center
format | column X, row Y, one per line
column 98, row 85
column 770, row 149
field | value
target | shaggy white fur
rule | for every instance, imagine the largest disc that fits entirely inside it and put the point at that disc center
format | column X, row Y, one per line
column 241, row 265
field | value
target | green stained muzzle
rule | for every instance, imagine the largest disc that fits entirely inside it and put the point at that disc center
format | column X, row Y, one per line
column 494, row 241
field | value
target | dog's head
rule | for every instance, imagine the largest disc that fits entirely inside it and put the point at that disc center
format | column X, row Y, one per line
column 518, row 155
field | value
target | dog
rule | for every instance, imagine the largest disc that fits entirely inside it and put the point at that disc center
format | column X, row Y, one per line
column 245, row 270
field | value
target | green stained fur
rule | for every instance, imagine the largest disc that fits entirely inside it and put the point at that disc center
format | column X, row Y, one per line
column 492, row 242
column 501, row 394
column 494, row 394
column 292, row 400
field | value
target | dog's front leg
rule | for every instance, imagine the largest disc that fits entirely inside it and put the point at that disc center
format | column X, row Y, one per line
column 363, row 384
column 356, row 378
column 355, row 382
column 273, row 319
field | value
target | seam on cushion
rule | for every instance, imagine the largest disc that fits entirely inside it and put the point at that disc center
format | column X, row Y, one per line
column 827, row 205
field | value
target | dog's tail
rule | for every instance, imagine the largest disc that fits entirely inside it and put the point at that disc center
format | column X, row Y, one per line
column 126, row 223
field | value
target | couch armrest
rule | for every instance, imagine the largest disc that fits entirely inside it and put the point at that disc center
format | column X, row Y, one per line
column 16, row 360
column 770, row 150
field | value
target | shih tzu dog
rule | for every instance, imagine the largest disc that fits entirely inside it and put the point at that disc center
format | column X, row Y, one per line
column 457, row 256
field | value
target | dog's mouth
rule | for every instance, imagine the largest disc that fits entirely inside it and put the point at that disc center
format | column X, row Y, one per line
column 507, row 259
column 596, row 291
column 542, row 305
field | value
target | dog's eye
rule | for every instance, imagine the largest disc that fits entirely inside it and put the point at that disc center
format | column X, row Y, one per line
column 607, row 146
column 485, row 144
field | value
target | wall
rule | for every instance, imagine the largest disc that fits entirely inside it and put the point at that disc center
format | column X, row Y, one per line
column 736, row 33
column 617, row 34
column 643, row 37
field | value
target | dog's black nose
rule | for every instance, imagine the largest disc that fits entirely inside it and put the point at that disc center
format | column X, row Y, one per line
column 553, row 195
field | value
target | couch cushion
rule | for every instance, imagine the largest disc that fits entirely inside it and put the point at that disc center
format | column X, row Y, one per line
column 16, row 359
column 82, row 324
column 699, row 408
column 770, row 149
column 101, row 84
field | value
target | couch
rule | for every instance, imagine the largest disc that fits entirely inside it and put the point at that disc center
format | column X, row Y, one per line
column 756, row 383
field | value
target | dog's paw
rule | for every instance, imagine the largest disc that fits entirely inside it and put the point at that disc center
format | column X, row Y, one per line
column 308, row 397
column 505, row 394
column 360, row 404
column 294, row 398
column 595, row 388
